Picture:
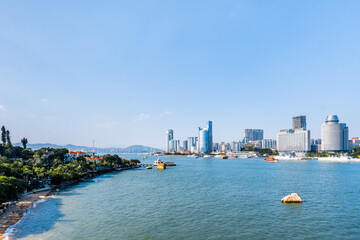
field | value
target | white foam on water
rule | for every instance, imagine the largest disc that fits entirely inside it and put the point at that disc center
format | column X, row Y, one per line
column 9, row 233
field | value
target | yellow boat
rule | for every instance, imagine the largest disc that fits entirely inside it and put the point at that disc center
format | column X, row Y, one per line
column 161, row 166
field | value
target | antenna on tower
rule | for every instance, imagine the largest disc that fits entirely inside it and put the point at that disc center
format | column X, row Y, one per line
column 93, row 148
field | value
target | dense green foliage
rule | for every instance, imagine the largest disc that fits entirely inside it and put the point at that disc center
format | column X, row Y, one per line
column 263, row 151
column 21, row 168
column 321, row 154
column 355, row 153
column 11, row 187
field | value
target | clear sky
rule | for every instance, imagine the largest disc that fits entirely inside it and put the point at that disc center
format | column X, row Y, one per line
column 123, row 72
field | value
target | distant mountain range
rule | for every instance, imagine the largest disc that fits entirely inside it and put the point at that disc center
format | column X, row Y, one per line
column 131, row 149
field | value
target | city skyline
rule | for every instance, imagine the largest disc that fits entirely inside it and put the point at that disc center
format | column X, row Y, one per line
column 123, row 80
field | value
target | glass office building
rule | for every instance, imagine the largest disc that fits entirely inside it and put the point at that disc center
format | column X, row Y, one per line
column 169, row 137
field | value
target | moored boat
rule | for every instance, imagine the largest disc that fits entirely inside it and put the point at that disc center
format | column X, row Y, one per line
column 161, row 166
column 270, row 159
column 148, row 167
column 157, row 162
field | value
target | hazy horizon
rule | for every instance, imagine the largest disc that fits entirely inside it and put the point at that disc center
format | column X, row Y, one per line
column 122, row 73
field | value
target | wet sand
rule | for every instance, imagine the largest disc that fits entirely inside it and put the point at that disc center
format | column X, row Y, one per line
column 15, row 212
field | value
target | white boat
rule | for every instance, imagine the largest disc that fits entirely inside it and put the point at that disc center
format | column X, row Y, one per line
column 157, row 162
column 207, row 156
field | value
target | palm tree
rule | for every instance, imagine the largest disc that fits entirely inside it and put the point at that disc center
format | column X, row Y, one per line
column 24, row 141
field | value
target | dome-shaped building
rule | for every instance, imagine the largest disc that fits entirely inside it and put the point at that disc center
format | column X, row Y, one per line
column 334, row 135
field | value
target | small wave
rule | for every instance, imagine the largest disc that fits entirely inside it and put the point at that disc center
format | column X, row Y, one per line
column 10, row 231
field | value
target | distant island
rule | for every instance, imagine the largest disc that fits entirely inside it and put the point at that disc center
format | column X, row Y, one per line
column 130, row 149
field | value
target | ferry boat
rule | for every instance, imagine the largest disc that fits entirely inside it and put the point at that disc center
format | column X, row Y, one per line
column 157, row 162
column 161, row 166
column 270, row 159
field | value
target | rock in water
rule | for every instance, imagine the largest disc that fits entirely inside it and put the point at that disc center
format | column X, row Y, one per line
column 292, row 198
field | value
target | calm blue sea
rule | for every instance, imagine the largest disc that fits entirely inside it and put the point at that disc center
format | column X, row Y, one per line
column 205, row 198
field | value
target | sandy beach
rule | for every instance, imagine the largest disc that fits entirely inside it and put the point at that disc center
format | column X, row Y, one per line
column 16, row 211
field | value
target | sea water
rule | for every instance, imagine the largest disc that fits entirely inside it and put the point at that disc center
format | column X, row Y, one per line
column 205, row 198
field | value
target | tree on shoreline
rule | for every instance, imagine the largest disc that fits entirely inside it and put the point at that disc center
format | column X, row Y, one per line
column 24, row 142
column 8, row 139
column 3, row 135
column 23, row 168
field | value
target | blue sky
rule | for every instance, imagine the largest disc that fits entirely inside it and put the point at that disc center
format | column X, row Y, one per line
column 123, row 72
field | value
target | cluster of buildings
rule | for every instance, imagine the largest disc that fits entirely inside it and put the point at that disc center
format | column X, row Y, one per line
column 297, row 140
column 255, row 138
column 203, row 143
column 334, row 137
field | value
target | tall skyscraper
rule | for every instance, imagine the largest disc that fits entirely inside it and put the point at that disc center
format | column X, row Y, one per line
column 253, row 135
column 172, row 146
column 191, row 142
column 185, row 145
column 210, row 136
column 299, row 122
column 169, row 137
column 205, row 140
column 334, row 135
column 216, row 147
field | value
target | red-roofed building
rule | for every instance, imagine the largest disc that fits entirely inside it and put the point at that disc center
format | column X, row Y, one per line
column 71, row 156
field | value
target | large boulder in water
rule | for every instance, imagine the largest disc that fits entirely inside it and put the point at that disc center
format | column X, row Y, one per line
column 292, row 198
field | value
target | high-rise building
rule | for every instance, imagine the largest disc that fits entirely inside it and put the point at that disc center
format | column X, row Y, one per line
column 236, row 146
column 185, row 145
column 205, row 140
column 268, row 143
column 172, row 146
column 216, row 147
column 334, row 135
column 253, row 135
column 203, row 146
column 177, row 145
column 191, row 142
column 169, row 137
column 210, row 136
column 293, row 140
column 299, row 122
